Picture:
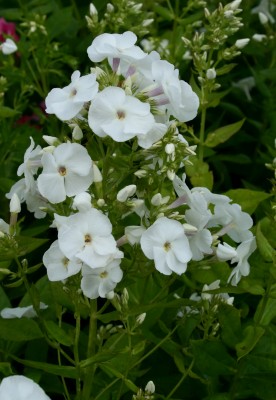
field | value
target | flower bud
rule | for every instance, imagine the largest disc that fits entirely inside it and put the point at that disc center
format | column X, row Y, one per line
column 170, row 174
column 15, row 205
column 211, row 73
column 141, row 318
column 126, row 192
column 234, row 5
column 77, row 133
column 150, row 387
column 92, row 10
column 240, row 43
column 170, row 148
column 263, row 18
column 82, row 202
column 109, row 7
column 259, row 37
column 96, row 173
column 51, row 140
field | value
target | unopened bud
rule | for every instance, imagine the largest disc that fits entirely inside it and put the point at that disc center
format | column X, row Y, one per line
column 259, row 37
column 170, row 174
column 77, row 133
column 150, row 387
column 263, row 18
column 125, row 297
column 92, row 10
column 51, row 140
column 240, row 43
column 170, row 148
column 211, row 73
column 234, row 5
column 101, row 202
column 15, row 206
column 82, row 202
column 141, row 318
column 97, row 176
column 109, row 7
column 126, row 192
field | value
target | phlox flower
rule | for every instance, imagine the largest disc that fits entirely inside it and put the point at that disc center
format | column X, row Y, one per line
column 17, row 387
column 165, row 242
column 66, row 103
column 20, row 312
column 8, row 47
column 66, row 172
column 115, row 46
column 100, row 281
column 32, row 161
column 118, row 115
column 58, row 266
column 87, row 236
column 240, row 256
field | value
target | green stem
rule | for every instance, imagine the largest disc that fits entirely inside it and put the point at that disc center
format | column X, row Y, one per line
column 180, row 381
column 202, row 131
column 76, row 353
column 91, row 348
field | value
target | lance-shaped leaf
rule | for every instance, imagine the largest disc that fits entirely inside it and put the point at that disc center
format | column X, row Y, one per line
column 222, row 134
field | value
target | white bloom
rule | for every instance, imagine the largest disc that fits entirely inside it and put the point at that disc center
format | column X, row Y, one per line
column 101, row 281
column 118, row 115
column 8, row 47
column 152, row 136
column 20, row 312
column 32, row 161
column 115, row 46
column 224, row 297
column 58, row 266
column 125, row 193
column 66, row 172
column 87, row 236
column 19, row 387
column 165, row 242
column 244, row 251
column 134, row 233
column 66, row 103
column 4, row 227
column 266, row 7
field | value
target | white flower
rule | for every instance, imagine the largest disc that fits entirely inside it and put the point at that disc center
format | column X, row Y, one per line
column 20, row 312
column 8, row 47
column 165, row 242
column 66, row 172
column 179, row 98
column 134, row 233
column 244, row 251
column 152, row 136
column 266, row 7
column 66, row 103
column 58, row 266
column 19, row 387
column 115, row 46
column 118, row 115
column 225, row 252
column 32, row 161
column 224, row 297
column 87, row 236
column 101, row 281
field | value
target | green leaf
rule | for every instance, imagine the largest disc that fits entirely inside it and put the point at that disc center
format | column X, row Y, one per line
column 164, row 12
column 101, row 357
column 58, row 334
column 199, row 173
column 19, row 329
column 248, row 199
column 225, row 69
column 252, row 336
column 229, row 320
column 5, row 368
column 212, row 359
column 113, row 371
column 264, row 247
column 266, row 311
column 222, row 134
column 65, row 371
column 6, row 112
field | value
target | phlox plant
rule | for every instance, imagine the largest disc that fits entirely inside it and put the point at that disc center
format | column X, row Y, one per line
column 125, row 275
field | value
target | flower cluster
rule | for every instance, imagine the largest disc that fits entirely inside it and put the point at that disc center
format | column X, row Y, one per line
column 136, row 102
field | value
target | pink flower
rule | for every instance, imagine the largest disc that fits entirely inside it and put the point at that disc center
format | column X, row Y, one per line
column 7, row 29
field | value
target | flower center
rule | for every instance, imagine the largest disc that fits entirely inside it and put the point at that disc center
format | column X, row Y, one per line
column 167, row 246
column 87, row 238
column 73, row 92
column 62, row 171
column 103, row 274
column 65, row 262
column 121, row 114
